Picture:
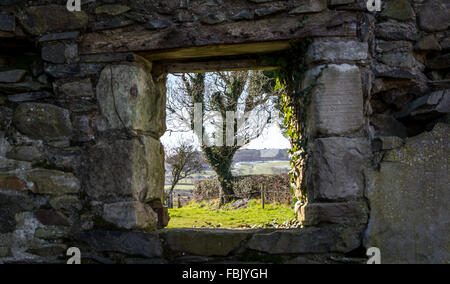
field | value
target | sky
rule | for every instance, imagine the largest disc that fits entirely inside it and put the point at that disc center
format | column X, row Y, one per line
column 272, row 138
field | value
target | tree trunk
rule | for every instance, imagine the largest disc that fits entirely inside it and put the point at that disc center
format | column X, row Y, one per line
column 225, row 178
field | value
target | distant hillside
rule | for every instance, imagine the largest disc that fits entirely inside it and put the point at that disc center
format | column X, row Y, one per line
column 253, row 155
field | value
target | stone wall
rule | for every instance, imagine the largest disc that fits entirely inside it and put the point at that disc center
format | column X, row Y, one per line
column 82, row 107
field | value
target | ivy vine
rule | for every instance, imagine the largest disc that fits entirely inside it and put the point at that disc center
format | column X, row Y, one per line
column 293, row 105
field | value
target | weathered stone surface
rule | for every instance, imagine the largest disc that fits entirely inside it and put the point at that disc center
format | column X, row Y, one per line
column 426, row 107
column 67, row 203
column 10, row 181
column 60, row 53
column 51, row 218
column 306, row 240
column 396, row 31
column 213, row 19
column 49, row 233
column 25, row 153
column 126, row 169
column 36, row 20
column 71, row 70
column 131, row 243
column 217, row 242
column 129, row 99
column 352, row 213
column 10, row 205
column 310, row 6
column 7, row 23
column 43, row 121
column 10, row 165
column 49, row 250
column 428, row 43
column 399, row 10
column 130, row 215
column 409, row 199
column 439, row 62
column 337, row 100
column 340, row 2
column 53, row 182
column 338, row 165
column 112, row 9
column 77, row 89
column 398, row 59
column 336, row 51
column 387, row 125
column 157, row 24
column 388, row 143
column 383, row 46
column 31, row 96
column 12, row 76
column 433, row 16
column 5, row 147
column 60, row 36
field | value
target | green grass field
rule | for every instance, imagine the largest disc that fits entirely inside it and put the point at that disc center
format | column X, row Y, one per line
column 243, row 168
column 206, row 214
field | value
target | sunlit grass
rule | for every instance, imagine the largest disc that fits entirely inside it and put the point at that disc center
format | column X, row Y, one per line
column 207, row 214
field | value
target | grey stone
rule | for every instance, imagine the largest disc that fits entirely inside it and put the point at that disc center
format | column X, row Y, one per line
column 217, row 242
column 338, row 165
column 5, row 147
column 396, row 31
column 426, row 107
column 398, row 59
column 243, row 15
column 270, row 10
column 409, row 200
column 60, row 36
column 53, row 182
column 336, row 51
column 60, row 53
column 9, row 207
column 12, row 182
column 126, row 169
column 439, row 62
column 306, row 240
column 27, row 85
column 47, row 251
column 398, row 9
column 66, row 203
column 387, row 125
column 157, row 24
column 31, row 96
column 7, row 165
column 428, row 43
column 25, row 153
column 7, row 23
column 12, row 76
column 383, row 46
column 134, row 102
column 130, row 215
column 35, row 19
column 310, row 6
column 131, row 243
column 43, row 121
column 340, row 2
column 51, row 218
column 337, row 100
column 389, row 142
column 112, row 9
column 351, row 213
column 77, row 89
column 433, row 16
column 213, row 19
column 50, row 233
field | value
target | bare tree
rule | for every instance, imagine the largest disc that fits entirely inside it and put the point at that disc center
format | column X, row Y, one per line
column 246, row 94
column 184, row 160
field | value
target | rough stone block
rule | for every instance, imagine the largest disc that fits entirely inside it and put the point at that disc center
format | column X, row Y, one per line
column 53, row 182
column 310, row 6
column 338, row 165
column 337, row 100
column 131, row 243
column 126, row 169
column 12, row 76
column 36, row 20
column 433, row 16
column 331, row 51
column 215, row 242
column 43, row 121
column 10, row 181
column 410, row 201
column 130, row 215
column 7, row 23
column 306, row 240
column 352, row 213
column 129, row 99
